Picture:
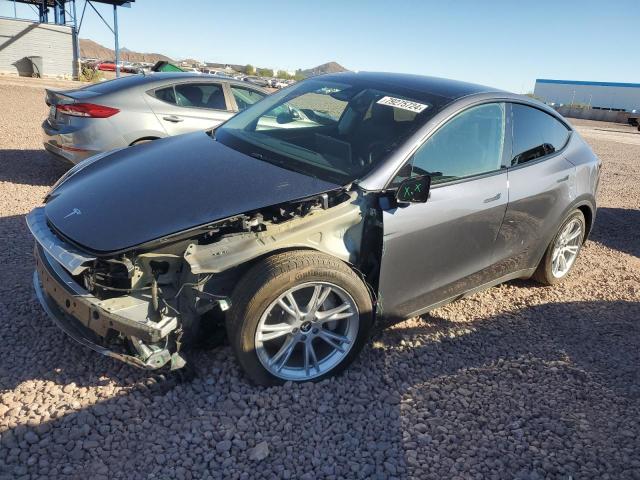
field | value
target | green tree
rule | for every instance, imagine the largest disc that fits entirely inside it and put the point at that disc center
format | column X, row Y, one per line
column 250, row 70
column 282, row 74
column 265, row 72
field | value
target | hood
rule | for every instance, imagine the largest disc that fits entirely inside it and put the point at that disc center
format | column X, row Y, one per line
column 146, row 192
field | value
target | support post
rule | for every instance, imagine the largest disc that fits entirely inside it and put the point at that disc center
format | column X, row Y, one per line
column 76, row 41
column 115, row 34
column 58, row 12
column 63, row 13
column 44, row 12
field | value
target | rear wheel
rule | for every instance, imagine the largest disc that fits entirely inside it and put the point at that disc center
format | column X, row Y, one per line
column 298, row 316
column 562, row 251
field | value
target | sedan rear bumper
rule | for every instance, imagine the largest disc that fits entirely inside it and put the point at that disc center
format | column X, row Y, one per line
column 64, row 144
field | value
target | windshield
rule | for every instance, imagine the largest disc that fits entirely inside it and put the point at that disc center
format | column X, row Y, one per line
column 336, row 131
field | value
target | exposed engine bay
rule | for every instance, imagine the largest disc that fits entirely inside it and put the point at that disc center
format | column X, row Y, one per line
column 181, row 285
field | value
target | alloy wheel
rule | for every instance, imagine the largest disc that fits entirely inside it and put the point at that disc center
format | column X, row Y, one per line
column 566, row 248
column 307, row 331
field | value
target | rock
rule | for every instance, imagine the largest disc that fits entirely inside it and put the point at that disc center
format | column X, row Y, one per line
column 223, row 446
column 390, row 467
column 259, row 452
column 31, row 437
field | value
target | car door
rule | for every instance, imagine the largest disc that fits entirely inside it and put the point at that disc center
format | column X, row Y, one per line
column 190, row 106
column 541, row 186
column 440, row 249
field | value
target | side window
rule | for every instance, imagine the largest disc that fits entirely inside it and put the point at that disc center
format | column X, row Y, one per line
column 201, row 95
column 535, row 134
column 165, row 94
column 245, row 97
column 471, row 143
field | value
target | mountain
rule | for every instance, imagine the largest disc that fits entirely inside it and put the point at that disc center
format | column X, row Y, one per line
column 91, row 49
column 330, row 67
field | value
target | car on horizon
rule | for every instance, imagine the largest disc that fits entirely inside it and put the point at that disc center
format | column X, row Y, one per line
column 394, row 195
column 260, row 81
column 106, row 66
column 139, row 108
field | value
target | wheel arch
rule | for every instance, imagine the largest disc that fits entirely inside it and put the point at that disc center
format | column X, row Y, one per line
column 249, row 263
column 588, row 213
column 148, row 138
column 586, row 205
column 588, row 208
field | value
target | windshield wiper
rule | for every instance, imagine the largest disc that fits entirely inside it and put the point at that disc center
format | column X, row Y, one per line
column 271, row 160
column 283, row 164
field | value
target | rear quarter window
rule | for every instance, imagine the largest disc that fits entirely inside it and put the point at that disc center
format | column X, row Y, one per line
column 165, row 94
column 536, row 134
column 245, row 97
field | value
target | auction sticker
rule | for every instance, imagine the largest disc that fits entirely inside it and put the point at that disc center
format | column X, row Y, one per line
column 403, row 104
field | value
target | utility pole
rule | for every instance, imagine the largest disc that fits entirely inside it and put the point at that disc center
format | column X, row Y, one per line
column 115, row 34
column 76, row 40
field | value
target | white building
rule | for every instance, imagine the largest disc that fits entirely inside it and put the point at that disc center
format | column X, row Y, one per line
column 602, row 95
column 21, row 40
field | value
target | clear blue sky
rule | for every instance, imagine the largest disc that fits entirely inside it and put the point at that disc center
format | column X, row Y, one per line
column 502, row 43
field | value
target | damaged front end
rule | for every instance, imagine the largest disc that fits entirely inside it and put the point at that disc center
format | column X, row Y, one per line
column 143, row 306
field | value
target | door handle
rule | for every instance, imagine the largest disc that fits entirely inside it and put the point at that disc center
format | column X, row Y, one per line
column 493, row 199
column 172, row 118
column 563, row 179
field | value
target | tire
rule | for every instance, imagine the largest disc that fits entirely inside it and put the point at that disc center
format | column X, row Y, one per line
column 544, row 274
column 254, row 303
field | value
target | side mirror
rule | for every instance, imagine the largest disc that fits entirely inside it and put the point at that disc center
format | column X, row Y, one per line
column 414, row 190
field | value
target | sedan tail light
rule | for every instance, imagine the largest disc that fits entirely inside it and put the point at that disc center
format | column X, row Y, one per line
column 90, row 110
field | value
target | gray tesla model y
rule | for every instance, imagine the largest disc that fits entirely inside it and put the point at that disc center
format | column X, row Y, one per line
column 343, row 201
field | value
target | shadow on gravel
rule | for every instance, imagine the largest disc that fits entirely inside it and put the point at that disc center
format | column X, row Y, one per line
column 617, row 228
column 544, row 392
column 31, row 167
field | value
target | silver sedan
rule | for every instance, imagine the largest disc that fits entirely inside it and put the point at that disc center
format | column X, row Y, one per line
column 139, row 108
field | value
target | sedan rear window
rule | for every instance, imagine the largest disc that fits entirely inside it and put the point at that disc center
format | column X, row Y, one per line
column 200, row 95
column 117, row 84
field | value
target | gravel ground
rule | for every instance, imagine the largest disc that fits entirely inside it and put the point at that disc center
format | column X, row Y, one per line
column 518, row 382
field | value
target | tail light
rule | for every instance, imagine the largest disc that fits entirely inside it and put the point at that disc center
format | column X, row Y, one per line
column 90, row 110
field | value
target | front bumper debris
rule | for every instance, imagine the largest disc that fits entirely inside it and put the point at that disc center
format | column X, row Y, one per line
column 98, row 323
column 67, row 255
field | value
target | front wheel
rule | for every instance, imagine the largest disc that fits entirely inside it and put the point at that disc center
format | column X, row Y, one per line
column 298, row 316
column 563, row 250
